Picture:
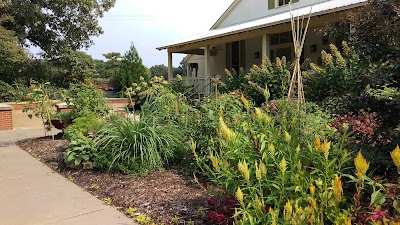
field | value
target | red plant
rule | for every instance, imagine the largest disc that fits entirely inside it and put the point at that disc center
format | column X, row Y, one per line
column 222, row 210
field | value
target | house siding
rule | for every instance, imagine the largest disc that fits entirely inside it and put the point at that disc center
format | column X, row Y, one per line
column 247, row 10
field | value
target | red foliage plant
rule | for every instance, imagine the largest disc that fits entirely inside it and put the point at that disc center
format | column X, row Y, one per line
column 222, row 210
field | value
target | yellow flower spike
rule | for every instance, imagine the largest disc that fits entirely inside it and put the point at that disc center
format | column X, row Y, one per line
column 312, row 202
column 395, row 154
column 224, row 131
column 287, row 210
column 239, row 195
column 263, row 169
column 312, row 189
column 283, row 165
column 267, row 94
column 271, row 149
column 298, row 149
column 361, row 164
column 244, row 170
column 259, row 113
column 287, row 137
column 214, row 162
column 258, row 205
column 258, row 172
column 319, row 183
column 337, row 189
column 318, row 143
column 221, row 112
column 245, row 102
column 326, row 146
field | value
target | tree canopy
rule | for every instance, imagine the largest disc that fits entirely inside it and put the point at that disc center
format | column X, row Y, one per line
column 54, row 25
column 131, row 68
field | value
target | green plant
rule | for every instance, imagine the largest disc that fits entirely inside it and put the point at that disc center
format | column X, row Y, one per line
column 94, row 186
column 175, row 219
column 84, row 125
column 131, row 211
column 107, row 200
column 84, row 98
column 277, row 166
column 142, row 219
column 39, row 95
column 274, row 77
column 133, row 147
column 80, row 151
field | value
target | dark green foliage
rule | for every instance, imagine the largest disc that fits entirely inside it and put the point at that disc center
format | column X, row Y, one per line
column 53, row 28
column 80, row 152
column 84, row 125
column 131, row 68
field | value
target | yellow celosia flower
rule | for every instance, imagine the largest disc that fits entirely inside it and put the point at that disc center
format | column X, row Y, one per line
column 214, row 162
column 258, row 172
column 245, row 102
column 361, row 164
column 395, row 154
column 312, row 202
column 312, row 189
column 337, row 189
column 272, row 213
column 340, row 62
column 259, row 113
column 239, row 195
column 263, row 169
column 267, row 94
column 271, row 149
column 221, row 113
column 283, row 165
column 224, row 131
column 287, row 137
column 258, row 205
column 244, row 170
column 287, row 210
column 322, row 147
column 319, row 183
column 298, row 149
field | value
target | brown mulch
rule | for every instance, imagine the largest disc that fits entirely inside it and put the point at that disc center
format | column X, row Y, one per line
column 160, row 195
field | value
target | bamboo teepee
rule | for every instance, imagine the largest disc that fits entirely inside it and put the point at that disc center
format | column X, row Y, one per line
column 299, row 35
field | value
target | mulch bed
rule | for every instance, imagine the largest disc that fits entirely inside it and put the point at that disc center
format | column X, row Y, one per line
column 160, row 195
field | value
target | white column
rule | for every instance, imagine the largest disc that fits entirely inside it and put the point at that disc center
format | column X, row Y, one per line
column 170, row 76
column 207, row 75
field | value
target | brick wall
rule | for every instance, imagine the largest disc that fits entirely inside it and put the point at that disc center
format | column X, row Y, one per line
column 6, row 119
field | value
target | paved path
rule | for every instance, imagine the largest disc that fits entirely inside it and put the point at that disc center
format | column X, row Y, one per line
column 33, row 194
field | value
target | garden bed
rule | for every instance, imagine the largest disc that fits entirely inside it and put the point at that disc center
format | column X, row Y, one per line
column 160, row 195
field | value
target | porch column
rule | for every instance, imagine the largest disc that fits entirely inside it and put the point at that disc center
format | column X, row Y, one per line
column 265, row 45
column 170, row 76
column 207, row 67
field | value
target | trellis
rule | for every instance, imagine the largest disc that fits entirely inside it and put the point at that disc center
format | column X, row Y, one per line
column 299, row 36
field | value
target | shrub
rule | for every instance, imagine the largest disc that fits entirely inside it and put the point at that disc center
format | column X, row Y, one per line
column 80, row 152
column 281, row 164
column 84, row 98
column 272, row 76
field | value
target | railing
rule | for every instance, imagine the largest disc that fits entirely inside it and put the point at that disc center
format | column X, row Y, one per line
column 200, row 87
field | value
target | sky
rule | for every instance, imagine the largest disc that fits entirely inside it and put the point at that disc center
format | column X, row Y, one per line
column 149, row 24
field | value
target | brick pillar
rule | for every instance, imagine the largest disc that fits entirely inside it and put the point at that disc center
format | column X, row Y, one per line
column 6, row 118
column 62, row 107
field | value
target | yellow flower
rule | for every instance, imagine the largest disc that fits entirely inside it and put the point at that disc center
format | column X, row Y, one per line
column 239, row 195
column 324, row 147
column 244, row 170
column 258, row 204
column 395, row 154
column 287, row 210
column 283, row 165
column 214, row 161
column 221, row 112
column 224, row 131
column 271, row 149
column 258, row 113
column 312, row 202
column 258, row 172
column 312, row 189
column 298, row 149
column 245, row 102
column 361, row 164
column 337, row 189
column 263, row 169
column 287, row 137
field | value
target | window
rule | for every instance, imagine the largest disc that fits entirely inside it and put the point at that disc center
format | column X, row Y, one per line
column 281, row 38
column 283, row 2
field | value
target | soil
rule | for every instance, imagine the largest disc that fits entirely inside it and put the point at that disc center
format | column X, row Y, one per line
column 160, row 195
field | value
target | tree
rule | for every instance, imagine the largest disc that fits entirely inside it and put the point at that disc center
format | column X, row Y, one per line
column 181, row 70
column 131, row 68
column 112, row 64
column 159, row 70
column 54, row 25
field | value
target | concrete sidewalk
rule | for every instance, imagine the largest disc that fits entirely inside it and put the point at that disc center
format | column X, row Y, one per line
column 33, row 194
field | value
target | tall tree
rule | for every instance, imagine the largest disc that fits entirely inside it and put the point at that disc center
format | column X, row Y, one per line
column 112, row 64
column 131, row 68
column 54, row 25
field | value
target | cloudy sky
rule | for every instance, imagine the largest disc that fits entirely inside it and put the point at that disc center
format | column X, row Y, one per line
column 154, row 23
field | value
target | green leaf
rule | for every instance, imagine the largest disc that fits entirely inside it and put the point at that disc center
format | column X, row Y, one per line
column 30, row 116
column 377, row 198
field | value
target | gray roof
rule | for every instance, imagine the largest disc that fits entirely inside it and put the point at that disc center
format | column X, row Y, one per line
column 317, row 10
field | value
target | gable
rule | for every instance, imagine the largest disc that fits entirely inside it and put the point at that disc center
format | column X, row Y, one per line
column 247, row 10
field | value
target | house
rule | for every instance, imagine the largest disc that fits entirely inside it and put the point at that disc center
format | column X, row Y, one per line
column 250, row 29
